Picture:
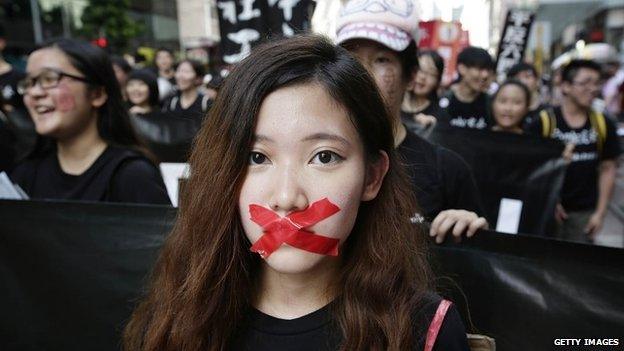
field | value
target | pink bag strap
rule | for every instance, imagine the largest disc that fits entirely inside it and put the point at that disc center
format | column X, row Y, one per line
column 436, row 323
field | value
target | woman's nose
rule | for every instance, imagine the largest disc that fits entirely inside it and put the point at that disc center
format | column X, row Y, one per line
column 288, row 193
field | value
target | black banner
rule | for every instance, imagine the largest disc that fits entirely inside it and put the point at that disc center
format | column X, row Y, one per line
column 245, row 23
column 71, row 273
column 517, row 173
column 514, row 39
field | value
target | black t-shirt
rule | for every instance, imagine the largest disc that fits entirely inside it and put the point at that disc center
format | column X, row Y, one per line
column 8, row 88
column 473, row 114
column 317, row 332
column 433, row 109
column 580, row 186
column 441, row 179
column 117, row 175
column 197, row 110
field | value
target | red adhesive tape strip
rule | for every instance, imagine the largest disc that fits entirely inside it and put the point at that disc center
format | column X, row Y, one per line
column 292, row 229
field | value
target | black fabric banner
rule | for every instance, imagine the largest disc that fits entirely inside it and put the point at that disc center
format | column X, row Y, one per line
column 245, row 23
column 514, row 39
column 513, row 167
column 71, row 273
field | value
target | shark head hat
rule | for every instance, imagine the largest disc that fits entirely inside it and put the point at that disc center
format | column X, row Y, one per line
column 393, row 23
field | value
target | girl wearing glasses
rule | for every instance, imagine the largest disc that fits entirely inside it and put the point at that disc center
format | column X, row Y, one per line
column 420, row 106
column 87, row 148
column 299, row 135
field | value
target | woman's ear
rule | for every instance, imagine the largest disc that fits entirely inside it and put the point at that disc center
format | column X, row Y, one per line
column 375, row 174
column 98, row 97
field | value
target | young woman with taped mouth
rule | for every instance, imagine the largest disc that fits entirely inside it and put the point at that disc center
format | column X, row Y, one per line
column 87, row 149
column 294, row 232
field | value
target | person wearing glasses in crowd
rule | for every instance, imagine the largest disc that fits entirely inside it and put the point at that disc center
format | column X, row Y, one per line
column 383, row 42
column 420, row 108
column 87, row 149
column 590, row 178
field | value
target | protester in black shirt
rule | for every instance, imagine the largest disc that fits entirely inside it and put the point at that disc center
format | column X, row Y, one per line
column 142, row 92
column 189, row 102
column 300, row 131
column 168, row 136
column 392, row 66
column 87, row 150
column 420, row 110
column 590, row 178
column 165, row 70
column 7, row 139
column 467, row 102
column 510, row 105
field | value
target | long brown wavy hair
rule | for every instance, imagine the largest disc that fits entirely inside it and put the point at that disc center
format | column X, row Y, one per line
column 204, row 281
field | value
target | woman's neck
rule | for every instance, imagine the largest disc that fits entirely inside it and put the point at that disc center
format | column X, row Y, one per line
column 77, row 154
column 414, row 103
column 290, row 296
column 187, row 97
column 166, row 73
column 464, row 92
column 514, row 129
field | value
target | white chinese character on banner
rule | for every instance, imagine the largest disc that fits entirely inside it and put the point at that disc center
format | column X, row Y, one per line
column 244, row 38
column 518, row 18
column 248, row 11
column 287, row 31
column 287, row 7
column 228, row 10
column 515, row 35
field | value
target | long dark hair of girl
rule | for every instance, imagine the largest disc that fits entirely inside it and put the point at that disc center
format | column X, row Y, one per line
column 113, row 118
column 205, row 278
column 438, row 62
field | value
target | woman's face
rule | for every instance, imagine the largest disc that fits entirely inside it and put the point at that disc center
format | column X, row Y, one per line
column 385, row 67
column 138, row 92
column 185, row 77
column 426, row 79
column 510, row 106
column 306, row 149
column 163, row 60
column 66, row 109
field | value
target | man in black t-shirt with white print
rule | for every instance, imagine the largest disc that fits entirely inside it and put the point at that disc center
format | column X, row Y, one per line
column 467, row 101
column 590, row 178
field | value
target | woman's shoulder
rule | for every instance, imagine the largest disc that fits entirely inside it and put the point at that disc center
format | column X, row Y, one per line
column 136, row 179
column 438, row 323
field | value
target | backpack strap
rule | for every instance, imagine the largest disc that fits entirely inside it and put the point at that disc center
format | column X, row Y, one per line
column 173, row 103
column 597, row 120
column 436, row 324
column 549, row 122
column 204, row 103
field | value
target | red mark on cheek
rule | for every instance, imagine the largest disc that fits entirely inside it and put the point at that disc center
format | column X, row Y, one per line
column 292, row 229
column 65, row 100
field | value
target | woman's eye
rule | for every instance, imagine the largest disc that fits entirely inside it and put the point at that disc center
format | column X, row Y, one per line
column 257, row 158
column 325, row 157
column 382, row 59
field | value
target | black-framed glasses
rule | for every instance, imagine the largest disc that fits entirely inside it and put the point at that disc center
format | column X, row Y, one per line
column 49, row 78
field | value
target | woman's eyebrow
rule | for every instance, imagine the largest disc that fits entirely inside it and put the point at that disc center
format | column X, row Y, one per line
column 262, row 138
column 327, row 136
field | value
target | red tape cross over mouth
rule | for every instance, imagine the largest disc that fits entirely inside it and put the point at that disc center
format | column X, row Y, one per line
column 292, row 229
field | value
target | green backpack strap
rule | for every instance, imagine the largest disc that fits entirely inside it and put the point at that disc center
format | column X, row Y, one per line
column 598, row 122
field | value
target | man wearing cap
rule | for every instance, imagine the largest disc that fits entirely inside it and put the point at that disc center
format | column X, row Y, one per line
column 380, row 34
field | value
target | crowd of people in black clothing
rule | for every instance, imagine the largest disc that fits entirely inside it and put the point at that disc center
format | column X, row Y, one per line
column 98, row 122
